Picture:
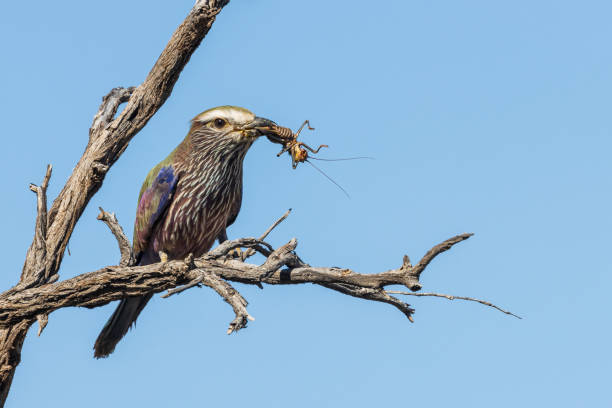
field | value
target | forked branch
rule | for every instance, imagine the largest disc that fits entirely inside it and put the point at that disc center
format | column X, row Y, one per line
column 282, row 266
column 108, row 138
column 125, row 247
column 38, row 293
column 453, row 297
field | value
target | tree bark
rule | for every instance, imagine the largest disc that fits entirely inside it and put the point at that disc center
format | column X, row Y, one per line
column 108, row 139
column 39, row 293
column 281, row 267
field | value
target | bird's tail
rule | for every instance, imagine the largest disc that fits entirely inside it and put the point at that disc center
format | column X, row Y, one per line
column 118, row 325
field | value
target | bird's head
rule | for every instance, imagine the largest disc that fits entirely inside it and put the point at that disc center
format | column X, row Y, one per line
column 228, row 128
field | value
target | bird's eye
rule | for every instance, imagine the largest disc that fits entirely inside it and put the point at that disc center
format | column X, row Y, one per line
column 219, row 123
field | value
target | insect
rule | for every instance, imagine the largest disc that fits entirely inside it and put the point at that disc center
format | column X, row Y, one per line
column 298, row 150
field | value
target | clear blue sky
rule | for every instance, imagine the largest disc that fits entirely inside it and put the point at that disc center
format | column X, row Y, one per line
column 485, row 117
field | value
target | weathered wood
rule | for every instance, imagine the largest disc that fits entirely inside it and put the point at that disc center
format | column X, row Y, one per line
column 281, row 267
column 125, row 246
column 108, row 139
column 38, row 293
column 11, row 342
column 34, row 271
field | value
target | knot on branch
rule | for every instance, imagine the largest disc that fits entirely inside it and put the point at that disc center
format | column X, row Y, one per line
column 108, row 109
column 98, row 171
column 411, row 279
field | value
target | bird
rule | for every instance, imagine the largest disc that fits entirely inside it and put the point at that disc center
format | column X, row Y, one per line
column 187, row 201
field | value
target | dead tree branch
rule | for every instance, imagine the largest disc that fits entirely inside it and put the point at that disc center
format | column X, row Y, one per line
column 34, row 270
column 109, row 136
column 39, row 293
column 108, row 139
column 281, row 267
column 226, row 291
column 34, row 273
column 453, row 297
column 125, row 246
column 250, row 252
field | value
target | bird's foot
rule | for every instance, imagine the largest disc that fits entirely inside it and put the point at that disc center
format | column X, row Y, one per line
column 163, row 256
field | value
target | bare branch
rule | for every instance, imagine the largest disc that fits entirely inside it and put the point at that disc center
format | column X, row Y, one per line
column 276, row 223
column 175, row 291
column 108, row 108
column 378, row 295
column 250, row 252
column 125, row 247
column 38, row 294
column 34, row 266
column 453, row 297
column 224, row 248
column 189, row 264
column 11, row 343
column 34, row 273
column 42, row 319
column 280, row 257
column 231, row 296
column 435, row 251
column 108, row 139
column 117, row 282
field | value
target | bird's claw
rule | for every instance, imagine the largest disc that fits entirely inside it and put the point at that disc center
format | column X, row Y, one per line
column 163, row 256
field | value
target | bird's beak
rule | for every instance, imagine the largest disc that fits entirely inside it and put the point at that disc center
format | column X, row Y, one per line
column 259, row 126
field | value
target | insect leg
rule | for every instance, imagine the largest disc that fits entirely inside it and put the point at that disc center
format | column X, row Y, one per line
column 306, row 122
column 286, row 148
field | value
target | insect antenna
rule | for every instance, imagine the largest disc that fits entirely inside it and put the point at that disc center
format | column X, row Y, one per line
column 344, row 158
column 329, row 178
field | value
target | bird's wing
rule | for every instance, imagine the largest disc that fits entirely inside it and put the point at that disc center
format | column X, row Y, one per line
column 235, row 210
column 155, row 197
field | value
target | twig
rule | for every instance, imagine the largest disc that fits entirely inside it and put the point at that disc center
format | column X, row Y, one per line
column 378, row 295
column 194, row 282
column 435, row 251
column 453, row 297
column 35, row 272
column 34, row 269
column 225, row 290
column 42, row 319
column 231, row 296
column 276, row 223
column 283, row 256
column 224, row 248
column 125, row 247
column 250, row 252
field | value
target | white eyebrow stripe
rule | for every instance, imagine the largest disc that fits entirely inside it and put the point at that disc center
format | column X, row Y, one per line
column 232, row 114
